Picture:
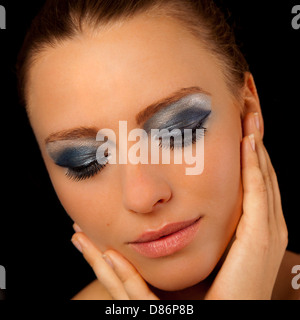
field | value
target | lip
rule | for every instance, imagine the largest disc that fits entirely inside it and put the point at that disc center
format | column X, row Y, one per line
column 167, row 240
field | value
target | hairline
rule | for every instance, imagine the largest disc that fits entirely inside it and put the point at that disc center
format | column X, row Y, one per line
column 89, row 26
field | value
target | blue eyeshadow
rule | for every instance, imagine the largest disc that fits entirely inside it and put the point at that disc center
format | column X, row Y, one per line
column 74, row 157
column 183, row 113
column 73, row 154
column 186, row 119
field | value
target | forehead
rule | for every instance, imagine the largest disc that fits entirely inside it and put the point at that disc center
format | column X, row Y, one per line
column 99, row 79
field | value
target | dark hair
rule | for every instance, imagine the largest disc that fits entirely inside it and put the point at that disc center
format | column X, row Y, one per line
column 60, row 20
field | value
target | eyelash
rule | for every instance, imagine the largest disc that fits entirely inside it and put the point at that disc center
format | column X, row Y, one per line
column 86, row 172
column 195, row 137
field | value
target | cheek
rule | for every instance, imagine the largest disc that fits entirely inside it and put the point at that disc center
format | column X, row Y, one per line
column 87, row 204
column 222, row 167
column 223, row 180
column 218, row 188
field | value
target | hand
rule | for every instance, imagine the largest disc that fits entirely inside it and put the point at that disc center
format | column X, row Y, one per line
column 253, row 261
column 117, row 275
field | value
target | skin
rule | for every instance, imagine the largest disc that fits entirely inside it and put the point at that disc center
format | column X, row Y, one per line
column 114, row 75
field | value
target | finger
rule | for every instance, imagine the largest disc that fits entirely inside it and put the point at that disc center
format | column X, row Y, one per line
column 275, row 184
column 266, row 173
column 255, row 202
column 248, row 127
column 276, row 217
column 278, row 212
column 252, row 125
column 102, row 269
column 77, row 228
column 134, row 284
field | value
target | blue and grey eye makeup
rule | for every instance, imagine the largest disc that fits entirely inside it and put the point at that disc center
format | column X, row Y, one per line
column 79, row 156
column 190, row 112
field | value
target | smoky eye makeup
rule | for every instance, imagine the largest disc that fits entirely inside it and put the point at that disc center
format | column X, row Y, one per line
column 182, row 114
column 68, row 153
column 78, row 156
column 190, row 112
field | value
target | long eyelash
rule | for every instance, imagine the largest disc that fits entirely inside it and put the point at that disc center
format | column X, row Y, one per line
column 195, row 137
column 85, row 172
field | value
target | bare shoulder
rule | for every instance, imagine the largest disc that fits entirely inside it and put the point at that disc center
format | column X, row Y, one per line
column 93, row 291
column 283, row 289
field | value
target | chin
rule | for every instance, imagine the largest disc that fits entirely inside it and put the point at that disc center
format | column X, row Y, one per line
column 180, row 275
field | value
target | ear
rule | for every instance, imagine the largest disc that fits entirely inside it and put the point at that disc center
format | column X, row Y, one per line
column 251, row 100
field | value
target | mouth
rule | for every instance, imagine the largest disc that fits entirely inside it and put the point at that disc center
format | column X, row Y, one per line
column 167, row 240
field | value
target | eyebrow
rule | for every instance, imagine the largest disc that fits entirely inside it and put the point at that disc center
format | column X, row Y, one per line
column 71, row 134
column 141, row 117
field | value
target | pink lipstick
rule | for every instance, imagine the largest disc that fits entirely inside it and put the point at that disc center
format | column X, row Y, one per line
column 167, row 240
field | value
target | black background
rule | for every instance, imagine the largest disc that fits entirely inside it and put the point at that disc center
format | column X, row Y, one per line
column 35, row 231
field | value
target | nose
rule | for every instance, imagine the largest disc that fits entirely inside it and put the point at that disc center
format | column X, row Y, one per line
column 143, row 189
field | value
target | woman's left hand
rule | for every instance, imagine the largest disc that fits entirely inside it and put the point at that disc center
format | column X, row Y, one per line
column 119, row 277
column 252, row 263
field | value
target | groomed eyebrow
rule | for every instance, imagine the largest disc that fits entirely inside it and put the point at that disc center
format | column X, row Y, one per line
column 72, row 134
column 141, row 117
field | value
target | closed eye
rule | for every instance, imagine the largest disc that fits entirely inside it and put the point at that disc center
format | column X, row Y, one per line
column 180, row 137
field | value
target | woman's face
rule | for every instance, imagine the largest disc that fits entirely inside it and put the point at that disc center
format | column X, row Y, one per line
column 97, row 80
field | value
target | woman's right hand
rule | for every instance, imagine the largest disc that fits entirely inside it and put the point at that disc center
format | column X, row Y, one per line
column 121, row 280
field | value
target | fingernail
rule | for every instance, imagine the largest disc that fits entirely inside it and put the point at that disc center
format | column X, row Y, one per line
column 76, row 227
column 77, row 244
column 256, row 120
column 108, row 260
column 252, row 141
